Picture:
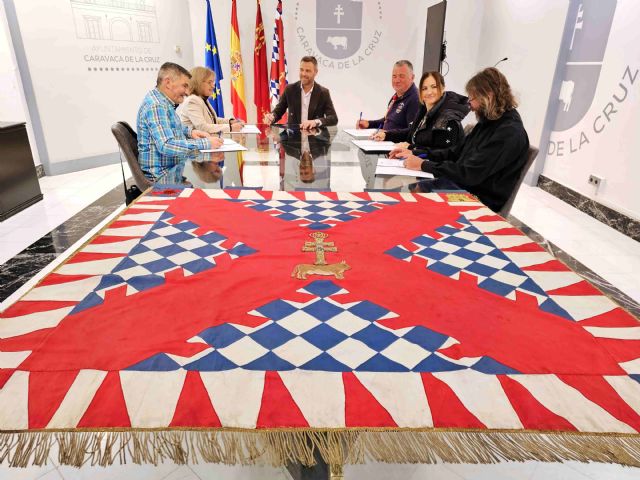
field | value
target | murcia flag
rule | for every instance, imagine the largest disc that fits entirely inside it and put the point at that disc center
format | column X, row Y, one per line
column 260, row 80
column 279, row 72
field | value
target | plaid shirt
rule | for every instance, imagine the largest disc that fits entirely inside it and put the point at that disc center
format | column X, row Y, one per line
column 162, row 139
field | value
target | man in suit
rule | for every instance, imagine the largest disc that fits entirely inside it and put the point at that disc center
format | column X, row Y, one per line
column 309, row 104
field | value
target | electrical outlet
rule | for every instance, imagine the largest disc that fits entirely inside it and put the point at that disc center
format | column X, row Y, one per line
column 595, row 180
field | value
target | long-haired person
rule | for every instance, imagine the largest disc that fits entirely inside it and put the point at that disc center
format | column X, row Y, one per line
column 489, row 161
column 197, row 112
column 437, row 123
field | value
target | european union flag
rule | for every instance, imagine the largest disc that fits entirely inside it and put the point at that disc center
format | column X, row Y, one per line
column 212, row 61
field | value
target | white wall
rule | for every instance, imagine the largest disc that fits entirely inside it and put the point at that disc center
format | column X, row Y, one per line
column 613, row 152
column 528, row 32
column 366, row 84
column 77, row 105
column 12, row 102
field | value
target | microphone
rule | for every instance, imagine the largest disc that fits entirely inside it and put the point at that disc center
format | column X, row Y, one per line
column 500, row 61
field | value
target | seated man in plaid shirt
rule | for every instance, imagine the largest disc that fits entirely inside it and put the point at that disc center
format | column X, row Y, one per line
column 163, row 141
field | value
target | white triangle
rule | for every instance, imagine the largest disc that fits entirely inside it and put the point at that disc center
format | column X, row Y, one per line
column 14, row 395
column 402, row 394
column 151, row 397
column 552, row 280
column 77, row 399
column 581, row 307
column 236, row 396
column 319, row 395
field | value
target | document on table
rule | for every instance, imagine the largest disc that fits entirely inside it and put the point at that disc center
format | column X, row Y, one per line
column 391, row 166
column 249, row 129
column 373, row 146
column 361, row 132
column 228, row 146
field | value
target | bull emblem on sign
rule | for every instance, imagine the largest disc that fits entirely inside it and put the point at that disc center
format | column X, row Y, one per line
column 338, row 27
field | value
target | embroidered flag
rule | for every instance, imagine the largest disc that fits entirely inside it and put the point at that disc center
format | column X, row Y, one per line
column 279, row 72
column 237, row 73
column 212, row 61
column 260, row 79
column 249, row 317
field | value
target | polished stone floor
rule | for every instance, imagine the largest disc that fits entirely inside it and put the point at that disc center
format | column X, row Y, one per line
column 77, row 205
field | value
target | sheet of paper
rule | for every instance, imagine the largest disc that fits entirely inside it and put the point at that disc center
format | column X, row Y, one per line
column 249, row 129
column 389, row 166
column 389, row 162
column 361, row 132
column 228, row 146
column 373, row 146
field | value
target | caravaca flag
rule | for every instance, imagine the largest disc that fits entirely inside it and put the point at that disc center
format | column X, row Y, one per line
column 278, row 80
column 237, row 73
column 241, row 326
column 212, row 61
column 260, row 79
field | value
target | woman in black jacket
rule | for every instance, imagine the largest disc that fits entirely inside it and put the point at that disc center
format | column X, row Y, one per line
column 490, row 160
column 437, row 124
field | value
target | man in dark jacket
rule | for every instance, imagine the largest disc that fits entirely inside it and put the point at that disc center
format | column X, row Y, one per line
column 308, row 103
column 403, row 105
column 489, row 161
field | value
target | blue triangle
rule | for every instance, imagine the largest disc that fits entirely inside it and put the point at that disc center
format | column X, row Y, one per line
column 325, row 363
column 322, row 288
column 125, row 263
column 492, row 367
column 109, row 280
column 144, row 282
column 157, row 363
column 550, row 306
column 214, row 362
column 434, row 363
column 635, row 377
column 89, row 301
column 269, row 362
column 532, row 286
column 380, row 363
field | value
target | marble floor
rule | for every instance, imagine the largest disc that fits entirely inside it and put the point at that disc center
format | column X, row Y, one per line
column 37, row 239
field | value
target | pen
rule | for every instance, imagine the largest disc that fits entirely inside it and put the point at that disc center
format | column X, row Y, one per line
column 360, row 119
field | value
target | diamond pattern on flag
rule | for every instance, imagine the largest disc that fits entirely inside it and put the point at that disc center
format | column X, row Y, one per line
column 166, row 247
column 316, row 215
column 322, row 334
column 466, row 249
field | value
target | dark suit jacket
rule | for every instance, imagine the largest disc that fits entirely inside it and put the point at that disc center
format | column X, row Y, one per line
column 320, row 105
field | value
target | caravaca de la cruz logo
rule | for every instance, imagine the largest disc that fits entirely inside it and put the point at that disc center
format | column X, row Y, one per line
column 589, row 23
column 340, row 40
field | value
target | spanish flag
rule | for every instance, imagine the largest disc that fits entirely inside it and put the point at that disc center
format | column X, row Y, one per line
column 237, row 74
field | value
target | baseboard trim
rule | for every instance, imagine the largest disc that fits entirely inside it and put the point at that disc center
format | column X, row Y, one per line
column 69, row 166
column 610, row 217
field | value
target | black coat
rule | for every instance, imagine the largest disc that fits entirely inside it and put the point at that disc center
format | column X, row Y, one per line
column 488, row 162
column 320, row 105
column 437, row 129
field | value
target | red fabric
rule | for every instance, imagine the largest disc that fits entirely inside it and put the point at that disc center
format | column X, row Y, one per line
column 46, row 391
column 108, row 407
column 446, row 409
column 361, row 407
column 194, row 408
column 532, row 414
column 260, row 77
column 278, row 406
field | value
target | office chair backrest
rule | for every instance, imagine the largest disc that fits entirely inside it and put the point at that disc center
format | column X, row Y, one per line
column 531, row 156
column 128, row 142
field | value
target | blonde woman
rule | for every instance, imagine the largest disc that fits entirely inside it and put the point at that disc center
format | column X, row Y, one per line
column 196, row 111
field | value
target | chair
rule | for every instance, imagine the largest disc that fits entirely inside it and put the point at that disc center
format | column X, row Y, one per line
column 531, row 156
column 128, row 142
